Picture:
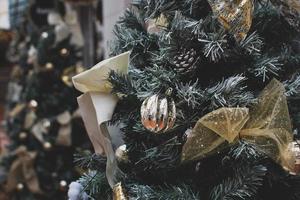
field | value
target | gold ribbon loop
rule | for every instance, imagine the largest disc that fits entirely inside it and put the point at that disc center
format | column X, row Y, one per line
column 267, row 125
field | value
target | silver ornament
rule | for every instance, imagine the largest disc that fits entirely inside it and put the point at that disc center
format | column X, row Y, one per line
column 158, row 113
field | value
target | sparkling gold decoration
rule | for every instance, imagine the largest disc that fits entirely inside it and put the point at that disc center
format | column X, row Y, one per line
column 119, row 193
column 49, row 66
column 121, row 154
column 69, row 72
column 267, row 125
column 64, row 52
column 20, row 186
column 235, row 16
column 294, row 149
column 158, row 113
column 23, row 135
column 157, row 24
column 47, row 146
column 33, row 104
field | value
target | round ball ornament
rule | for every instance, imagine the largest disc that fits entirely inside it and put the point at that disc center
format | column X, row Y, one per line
column 23, row 135
column 33, row 104
column 47, row 146
column 63, row 185
column 121, row 154
column 49, row 66
column 45, row 35
column 20, row 186
column 158, row 112
column 64, row 52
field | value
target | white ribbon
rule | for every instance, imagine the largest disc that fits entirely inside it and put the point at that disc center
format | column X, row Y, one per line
column 97, row 105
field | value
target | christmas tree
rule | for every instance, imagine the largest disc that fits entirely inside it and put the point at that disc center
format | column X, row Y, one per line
column 208, row 108
column 42, row 113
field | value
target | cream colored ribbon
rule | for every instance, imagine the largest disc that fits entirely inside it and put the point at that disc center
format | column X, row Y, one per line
column 97, row 105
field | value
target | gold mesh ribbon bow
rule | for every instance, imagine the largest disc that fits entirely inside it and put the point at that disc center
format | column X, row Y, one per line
column 267, row 125
column 22, row 170
column 235, row 15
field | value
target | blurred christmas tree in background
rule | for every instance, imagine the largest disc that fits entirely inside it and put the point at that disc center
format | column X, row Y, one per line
column 42, row 118
column 207, row 110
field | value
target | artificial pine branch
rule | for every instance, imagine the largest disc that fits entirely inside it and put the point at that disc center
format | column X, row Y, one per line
column 95, row 185
column 266, row 67
column 87, row 160
column 252, row 44
column 242, row 186
column 230, row 92
column 145, row 192
column 292, row 86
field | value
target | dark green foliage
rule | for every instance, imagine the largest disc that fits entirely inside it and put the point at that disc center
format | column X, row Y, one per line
column 145, row 192
column 95, row 184
column 87, row 160
column 244, row 185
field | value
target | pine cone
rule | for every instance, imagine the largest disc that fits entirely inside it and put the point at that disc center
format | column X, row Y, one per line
column 185, row 61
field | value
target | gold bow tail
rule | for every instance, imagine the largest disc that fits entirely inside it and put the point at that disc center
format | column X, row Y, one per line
column 22, row 170
column 235, row 16
column 97, row 105
column 267, row 125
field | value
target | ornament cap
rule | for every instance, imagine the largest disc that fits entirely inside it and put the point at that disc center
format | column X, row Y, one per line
column 169, row 91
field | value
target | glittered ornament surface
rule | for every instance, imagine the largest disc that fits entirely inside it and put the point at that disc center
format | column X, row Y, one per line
column 234, row 15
